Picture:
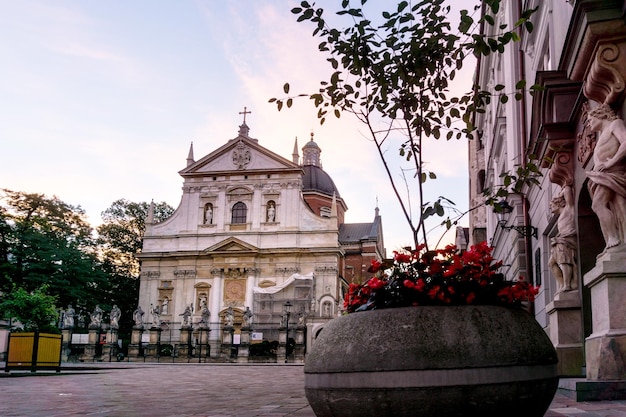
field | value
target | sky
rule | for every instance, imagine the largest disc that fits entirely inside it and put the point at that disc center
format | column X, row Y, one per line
column 100, row 100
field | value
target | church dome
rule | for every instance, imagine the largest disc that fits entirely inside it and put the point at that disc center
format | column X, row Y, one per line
column 315, row 179
column 311, row 145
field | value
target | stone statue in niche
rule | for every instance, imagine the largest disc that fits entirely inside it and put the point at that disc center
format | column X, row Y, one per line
column 271, row 213
column 607, row 179
column 208, row 213
column 326, row 307
column 563, row 246
column 202, row 301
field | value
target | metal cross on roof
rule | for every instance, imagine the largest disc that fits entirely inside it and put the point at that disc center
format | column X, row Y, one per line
column 244, row 112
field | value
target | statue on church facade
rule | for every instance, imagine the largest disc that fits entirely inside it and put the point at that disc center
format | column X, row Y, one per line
column 247, row 318
column 563, row 246
column 229, row 317
column 208, row 213
column 271, row 213
column 607, row 180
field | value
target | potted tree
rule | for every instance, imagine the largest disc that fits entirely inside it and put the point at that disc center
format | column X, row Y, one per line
column 435, row 332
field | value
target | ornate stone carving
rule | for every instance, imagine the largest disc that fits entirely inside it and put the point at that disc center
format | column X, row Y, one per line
column 239, row 272
column 185, row 273
column 287, row 270
column 191, row 189
column 586, row 139
column 150, row 274
column 605, row 80
column 326, row 270
column 241, row 155
column 562, row 168
column 234, row 290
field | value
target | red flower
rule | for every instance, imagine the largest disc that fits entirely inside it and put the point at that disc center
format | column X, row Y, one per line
column 375, row 266
column 440, row 277
column 402, row 257
column 470, row 297
column 375, row 283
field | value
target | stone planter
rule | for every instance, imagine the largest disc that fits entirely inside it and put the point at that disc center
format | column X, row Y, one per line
column 432, row 361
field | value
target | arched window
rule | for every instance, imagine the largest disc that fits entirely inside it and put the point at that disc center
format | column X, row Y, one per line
column 239, row 213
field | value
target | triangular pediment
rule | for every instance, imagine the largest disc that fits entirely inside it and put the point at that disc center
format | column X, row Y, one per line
column 239, row 154
column 232, row 245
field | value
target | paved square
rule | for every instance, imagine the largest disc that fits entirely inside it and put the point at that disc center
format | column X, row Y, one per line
column 123, row 389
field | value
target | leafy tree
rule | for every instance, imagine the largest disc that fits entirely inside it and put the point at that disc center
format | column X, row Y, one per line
column 35, row 310
column 394, row 76
column 46, row 241
column 120, row 240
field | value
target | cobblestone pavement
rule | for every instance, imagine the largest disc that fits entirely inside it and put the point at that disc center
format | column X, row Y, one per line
column 209, row 390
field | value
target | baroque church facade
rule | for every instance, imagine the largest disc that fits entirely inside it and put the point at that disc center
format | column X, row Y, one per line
column 253, row 232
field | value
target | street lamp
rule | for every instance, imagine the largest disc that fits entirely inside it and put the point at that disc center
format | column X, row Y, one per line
column 287, row 310
column 503, row 210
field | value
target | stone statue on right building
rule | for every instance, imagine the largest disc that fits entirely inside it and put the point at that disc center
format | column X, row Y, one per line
column 607, row 179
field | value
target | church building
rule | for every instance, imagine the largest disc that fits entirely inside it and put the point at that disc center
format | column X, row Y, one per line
column 254, row 232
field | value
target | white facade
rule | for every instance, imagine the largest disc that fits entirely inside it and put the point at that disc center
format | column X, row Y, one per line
column 242, row 236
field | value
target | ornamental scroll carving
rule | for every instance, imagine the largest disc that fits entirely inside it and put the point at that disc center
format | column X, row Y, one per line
column 605, row 79
column 562, row 168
